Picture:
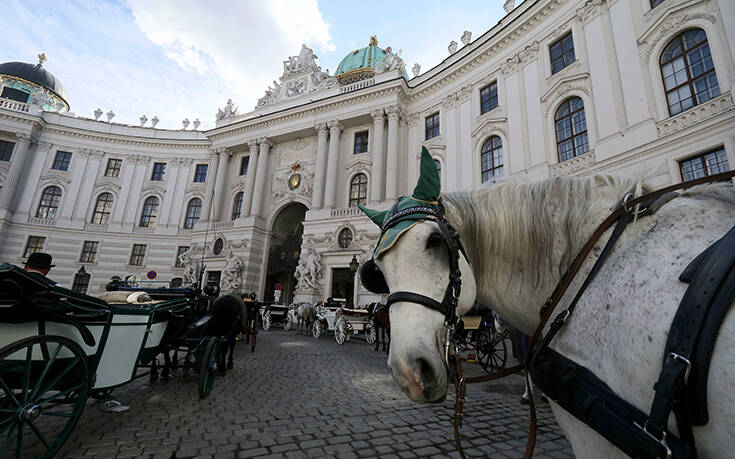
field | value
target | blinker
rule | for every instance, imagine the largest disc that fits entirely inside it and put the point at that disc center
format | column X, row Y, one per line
column 372, row 278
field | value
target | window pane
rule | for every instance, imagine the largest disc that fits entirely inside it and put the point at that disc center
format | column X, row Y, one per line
column 6, row 150
column 50, row 200
column 158, row 170
column 200, row 174
column 113, row 167
column 61, row 161
column 34, row 244
column 244, row 162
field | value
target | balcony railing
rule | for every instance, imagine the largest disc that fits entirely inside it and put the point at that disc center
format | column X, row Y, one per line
column 142, row 229
column 224, row 225
column 42, row 221
column 14, row 105
column 346, row 212
column 357, row 85
column 95, row 227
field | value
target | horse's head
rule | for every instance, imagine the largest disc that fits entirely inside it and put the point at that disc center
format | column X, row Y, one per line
column 418, row 260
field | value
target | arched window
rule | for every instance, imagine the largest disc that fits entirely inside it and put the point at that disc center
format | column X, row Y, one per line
column 193, row 210
column 491, row 158
column 150, row 212
column 102, row 209
column 688, row 71
column 358, row 190
column 237, row 205
column 571, row 129
column 50, row 200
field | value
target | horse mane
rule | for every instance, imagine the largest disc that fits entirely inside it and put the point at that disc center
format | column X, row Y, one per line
column 525, row 223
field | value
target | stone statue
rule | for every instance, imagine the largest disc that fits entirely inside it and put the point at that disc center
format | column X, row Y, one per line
column 191, row 267
column 416, row 69
column 452, row 47
column 466, row 37
column 308, row 269
column 232, row 272
column 391, row 61
column 228, row 111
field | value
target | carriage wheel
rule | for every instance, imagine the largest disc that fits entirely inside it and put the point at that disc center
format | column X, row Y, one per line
column 316, row 329
column 42, row 395
column 207, row 368
column 370, row 334
column 340, row 330
column 253, row 333
column 491, row 353
column 287, row 322
column 100, row 394
column 267, row 320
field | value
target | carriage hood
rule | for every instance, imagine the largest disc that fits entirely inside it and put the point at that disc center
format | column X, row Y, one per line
column 426, row 194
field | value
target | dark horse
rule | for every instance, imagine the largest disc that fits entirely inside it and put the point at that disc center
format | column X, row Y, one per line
column 381, row 322
column 229, row 313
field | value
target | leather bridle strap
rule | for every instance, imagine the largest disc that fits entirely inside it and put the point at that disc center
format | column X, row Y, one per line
column 566, row 280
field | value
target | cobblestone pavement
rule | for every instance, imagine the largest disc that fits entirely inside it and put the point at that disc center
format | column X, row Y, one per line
column 301, row 397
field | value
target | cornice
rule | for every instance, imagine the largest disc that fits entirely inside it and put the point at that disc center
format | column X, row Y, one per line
column 175, row 144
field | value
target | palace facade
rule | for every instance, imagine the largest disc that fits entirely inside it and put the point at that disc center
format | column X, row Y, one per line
column 268, row 198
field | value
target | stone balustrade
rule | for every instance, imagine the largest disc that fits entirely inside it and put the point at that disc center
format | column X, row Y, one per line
column 184, row 232
column 346, row 212
column 143, row 229
column 357, row 85
column 695, row 115
column 224, row 225
column 14, row 105
column 42, row 221
column 95, row 227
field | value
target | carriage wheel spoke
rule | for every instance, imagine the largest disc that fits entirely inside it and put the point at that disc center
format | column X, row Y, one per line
column 19, row 447
column 7, row 390
column 45, row 370
column 27, row 371
column 60, row 375
column 8, row 440
column 38, row 433
column 60, row 394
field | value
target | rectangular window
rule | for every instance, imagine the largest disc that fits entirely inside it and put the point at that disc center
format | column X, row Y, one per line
column 489, row 97
column 34, row 244
column 15, row 94
column 704, row 165
column 158, row 170
column 62, row 160
column 6, row 150
column 89, row 252
column 432, row 126
column 200, row 175
column 655, row 3
column 81, row 281
column 180, row 251
column 562, row 53
column 361, row 142
column 113, row 167
column 244, row 165
column 137, row 255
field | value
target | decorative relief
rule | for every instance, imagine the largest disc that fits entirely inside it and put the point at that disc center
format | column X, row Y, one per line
column 107, row 183
column 651, row 38
column 153, row 187
column 302, row 149
column 288, row 184
column 570, row 166
column 487, row 129
column 561, row 92
column 590, row 10
column 301, row 76
column 412, row 119
column 359, row 163
column 695, row 115
column 520, row 59
column 54, row 177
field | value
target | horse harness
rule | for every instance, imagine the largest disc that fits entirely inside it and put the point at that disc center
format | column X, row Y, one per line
column 682, row 382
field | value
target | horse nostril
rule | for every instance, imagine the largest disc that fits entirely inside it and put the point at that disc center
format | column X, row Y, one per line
column 426, row 372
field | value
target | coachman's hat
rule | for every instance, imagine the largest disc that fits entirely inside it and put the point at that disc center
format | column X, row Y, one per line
column 39, row 260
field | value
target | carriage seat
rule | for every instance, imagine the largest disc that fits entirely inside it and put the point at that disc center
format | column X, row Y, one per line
column 121, row 297
column 201, row 322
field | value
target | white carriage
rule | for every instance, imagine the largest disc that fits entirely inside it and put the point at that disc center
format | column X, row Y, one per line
column 334, row 315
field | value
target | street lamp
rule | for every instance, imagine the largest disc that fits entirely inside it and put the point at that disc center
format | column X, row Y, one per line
column 354, row 264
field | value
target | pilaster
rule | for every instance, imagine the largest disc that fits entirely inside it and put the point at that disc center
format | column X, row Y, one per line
column 377, row 179
column 391, row 165
column 317, row 200
column 335, row 128
column 250, row 178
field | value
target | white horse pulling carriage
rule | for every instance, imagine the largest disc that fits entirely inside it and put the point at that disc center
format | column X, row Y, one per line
column 277, row 314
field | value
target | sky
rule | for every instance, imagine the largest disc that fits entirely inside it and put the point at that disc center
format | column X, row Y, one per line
column 179, row 59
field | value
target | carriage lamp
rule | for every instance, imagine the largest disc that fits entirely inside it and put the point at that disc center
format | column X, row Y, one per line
column 354, row 264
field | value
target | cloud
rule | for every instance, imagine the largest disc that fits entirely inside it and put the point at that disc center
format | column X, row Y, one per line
column 239, row 43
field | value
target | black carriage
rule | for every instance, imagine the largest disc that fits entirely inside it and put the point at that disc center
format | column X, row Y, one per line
column 58, row 347
column 481, row 338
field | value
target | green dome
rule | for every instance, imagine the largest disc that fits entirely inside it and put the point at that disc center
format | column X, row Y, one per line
column 360, row 63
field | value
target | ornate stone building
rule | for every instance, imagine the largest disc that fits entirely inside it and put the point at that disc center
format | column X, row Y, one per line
column 268, row 198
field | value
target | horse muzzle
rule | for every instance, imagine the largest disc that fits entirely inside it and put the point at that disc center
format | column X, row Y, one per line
column 421, row 379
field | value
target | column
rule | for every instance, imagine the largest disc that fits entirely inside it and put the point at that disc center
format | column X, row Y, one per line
column 259, row 194
column 134, row 191
column 377, row 180
column 172, row 178
column 17, row 163
column 79, row 164
column 250, row 177
column 335, row 127
column 177, row 207
column 212, row 172
column 317, row 200
column 119, row 208
column 219, row 200
column 32, row 177
column 82, row 201
column 391, row 164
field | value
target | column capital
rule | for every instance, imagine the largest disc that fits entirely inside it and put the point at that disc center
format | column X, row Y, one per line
column 393, row 112
column 253, row 144
column 321, row 127
column 23, row 137
column 265, row 143
column 219, row 150
column 334, row 127
column 412, row 118
column 378, row 115
column 43, row 146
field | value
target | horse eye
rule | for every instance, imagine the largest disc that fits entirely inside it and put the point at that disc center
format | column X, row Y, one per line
column 434, row 240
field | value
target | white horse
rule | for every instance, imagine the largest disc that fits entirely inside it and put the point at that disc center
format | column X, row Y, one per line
column 520, row 238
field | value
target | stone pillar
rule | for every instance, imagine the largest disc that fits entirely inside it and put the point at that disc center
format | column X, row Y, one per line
column 135, row 190
column 32, row 176
column 213, row 169
column 317, row 200
column 391, row 165
column 377, row 180
column 172, row 179
column 250, row 178
column 84, row 197
column 259, row 193
column 335, row 127
column 219, row 185
column 78, row 171
column 16, row 171
column 177, row 204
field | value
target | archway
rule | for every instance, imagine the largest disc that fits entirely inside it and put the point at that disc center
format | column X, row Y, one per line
column 285, row 249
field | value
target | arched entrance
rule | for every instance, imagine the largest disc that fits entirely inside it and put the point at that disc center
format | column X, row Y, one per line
column 285, row 249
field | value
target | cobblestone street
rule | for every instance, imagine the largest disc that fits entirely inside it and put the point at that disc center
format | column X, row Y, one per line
column 301, row 397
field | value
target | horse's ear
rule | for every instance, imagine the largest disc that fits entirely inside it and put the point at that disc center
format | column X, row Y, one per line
column 376, row 216
column 428, row 186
